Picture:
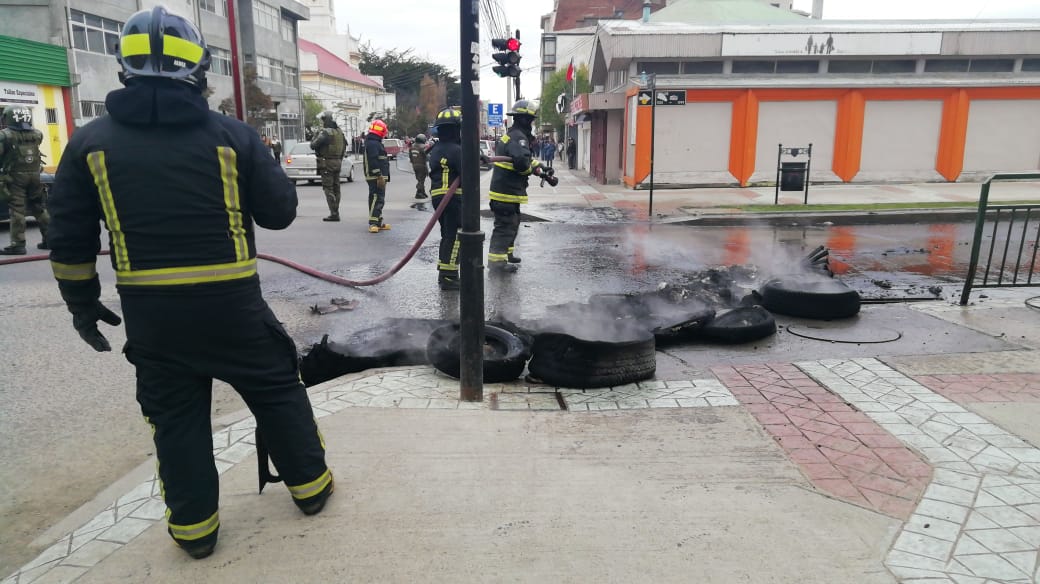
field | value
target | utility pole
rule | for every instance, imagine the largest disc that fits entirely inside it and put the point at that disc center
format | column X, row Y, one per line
column 509, row 82
column 471, row 238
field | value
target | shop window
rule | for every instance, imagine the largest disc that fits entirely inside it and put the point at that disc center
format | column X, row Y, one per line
column 658, row 67
column 848, row 66
column 754, row 67
column 702, row 68
column 94, row 33
column 52, row 115
column 946, row 66
column 798, row 66
column 1031, row 64
column 992, row 66
column 886, row 66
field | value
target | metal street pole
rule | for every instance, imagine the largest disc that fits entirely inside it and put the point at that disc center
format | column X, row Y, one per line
column 653, row 134
column 471, row 238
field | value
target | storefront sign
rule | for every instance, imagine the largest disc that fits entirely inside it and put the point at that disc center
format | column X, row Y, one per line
column 823, row 43
column 21, row 93
column 675, row 97
column 580, row 103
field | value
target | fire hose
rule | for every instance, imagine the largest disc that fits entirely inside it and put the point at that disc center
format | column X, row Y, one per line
column 552, row 180
column 309, row 270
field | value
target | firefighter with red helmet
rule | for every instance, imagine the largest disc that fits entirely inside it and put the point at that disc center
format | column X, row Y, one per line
column 509, row 185
column 377, row 174
column 180, row 189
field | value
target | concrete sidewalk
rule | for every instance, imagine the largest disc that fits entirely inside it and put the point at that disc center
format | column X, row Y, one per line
column 832, row 470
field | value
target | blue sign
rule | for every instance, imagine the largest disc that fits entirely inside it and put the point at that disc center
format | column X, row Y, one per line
column 494, row 114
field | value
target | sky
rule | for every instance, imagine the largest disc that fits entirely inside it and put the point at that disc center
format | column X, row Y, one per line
column 431, row 27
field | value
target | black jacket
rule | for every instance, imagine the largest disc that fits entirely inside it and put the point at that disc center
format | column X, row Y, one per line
column 376, row 161
column 509, row 179
column 178, row 186
column 445, row 166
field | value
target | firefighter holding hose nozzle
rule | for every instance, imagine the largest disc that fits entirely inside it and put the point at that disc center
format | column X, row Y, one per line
column 509, row 181
column 445, row 159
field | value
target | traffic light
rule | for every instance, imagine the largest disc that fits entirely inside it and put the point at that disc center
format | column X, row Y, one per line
column 508, row 57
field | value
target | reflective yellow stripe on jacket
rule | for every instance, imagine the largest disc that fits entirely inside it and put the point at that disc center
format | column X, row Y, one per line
column 85, row 271
column 187, row 275
column 96, row 163
column 232, row 202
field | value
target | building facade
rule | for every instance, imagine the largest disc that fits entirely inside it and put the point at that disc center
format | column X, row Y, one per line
column 36, row 75
column 899, row 101
column 354, row 98
column 90, row 29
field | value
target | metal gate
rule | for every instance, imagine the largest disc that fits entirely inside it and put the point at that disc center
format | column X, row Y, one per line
column 1010, row 260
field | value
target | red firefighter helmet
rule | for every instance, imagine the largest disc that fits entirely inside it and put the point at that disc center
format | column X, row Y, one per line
column 378, row 127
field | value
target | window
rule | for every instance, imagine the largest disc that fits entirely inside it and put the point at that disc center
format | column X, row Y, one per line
column 895, row 66
column 93, row 33
column 546, row 74
column 1031, row 64
column 702, row 68
column 218, row 7
column 549, row 47
column 292, row 77
column 288, row 29
column 658, row 67
column 268, row 69
column 754, row 67
column 265, row 15
column 52, row 115
column 290, row 130
column 844, row 66
column 92, row 109
column 992, row 65
column 946, row 66
column 220, row 61
column 798, row 66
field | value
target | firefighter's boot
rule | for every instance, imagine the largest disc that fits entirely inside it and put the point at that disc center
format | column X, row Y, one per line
column 448, row 280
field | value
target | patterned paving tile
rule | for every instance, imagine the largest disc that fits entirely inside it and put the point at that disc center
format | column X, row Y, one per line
column 979, row 519
column 998, row 388
column 842, row 451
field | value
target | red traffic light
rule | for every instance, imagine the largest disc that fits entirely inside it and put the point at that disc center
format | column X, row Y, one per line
column 509, row 44
column 513, row 44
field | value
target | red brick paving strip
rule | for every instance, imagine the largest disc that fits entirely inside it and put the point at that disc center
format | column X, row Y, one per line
column 841, row 450
column 1003, row 387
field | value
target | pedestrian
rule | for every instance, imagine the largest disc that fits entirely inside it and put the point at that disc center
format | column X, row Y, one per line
column 20, row 166
column 445, row 167
column 180, row 189
column 560, row 148
column 572, row 154
column 509, row 185
column 329, row 146
column 276, row 149
column 549, row 151
column 377, row 174
column 417, row 155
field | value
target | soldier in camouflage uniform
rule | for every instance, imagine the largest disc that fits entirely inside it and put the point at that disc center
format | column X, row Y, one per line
column 329, row 146
column 20, row 165
column 417, row 155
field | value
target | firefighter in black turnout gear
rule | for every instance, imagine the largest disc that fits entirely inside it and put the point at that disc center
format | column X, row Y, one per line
column 329, row 146
column 179, row 188
column 509, row 185
column 377, row 174
column 446, row 166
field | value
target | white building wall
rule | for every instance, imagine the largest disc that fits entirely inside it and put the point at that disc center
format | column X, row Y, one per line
column 578, row 47
column 615, row 123
column 692, row 145
column 1003, row 135
column 795, row 124
column 900, row 140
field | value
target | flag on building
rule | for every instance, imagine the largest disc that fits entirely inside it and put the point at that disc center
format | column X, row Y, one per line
column 570, row 71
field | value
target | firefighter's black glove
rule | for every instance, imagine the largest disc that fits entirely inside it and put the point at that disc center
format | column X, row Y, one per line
column 548, row 171
column 81, row 297
column 552, row 180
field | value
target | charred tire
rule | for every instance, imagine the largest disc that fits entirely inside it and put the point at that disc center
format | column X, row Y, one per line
column 563, row 360
column 682, row 328
column 810, row 296
column 740, row 325
column 504, row 352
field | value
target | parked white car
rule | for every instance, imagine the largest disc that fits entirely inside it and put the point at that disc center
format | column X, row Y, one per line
column 301, row 164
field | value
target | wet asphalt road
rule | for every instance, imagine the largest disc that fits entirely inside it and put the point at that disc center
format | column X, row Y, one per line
column 70, row 424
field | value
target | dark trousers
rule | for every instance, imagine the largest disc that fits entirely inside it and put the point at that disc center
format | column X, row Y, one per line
column 420, row 178
column 451, row 222
column 179, row 342
column 376, row 200
column 507, row 225
column 329, row 169
column 26, row 196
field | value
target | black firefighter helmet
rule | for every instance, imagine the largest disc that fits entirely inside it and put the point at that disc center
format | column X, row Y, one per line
column 155, row 43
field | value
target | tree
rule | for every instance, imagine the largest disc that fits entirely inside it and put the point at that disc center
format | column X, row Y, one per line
column 422, row 87
column 258, row 103
column 556, row 85
column 312, row 107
